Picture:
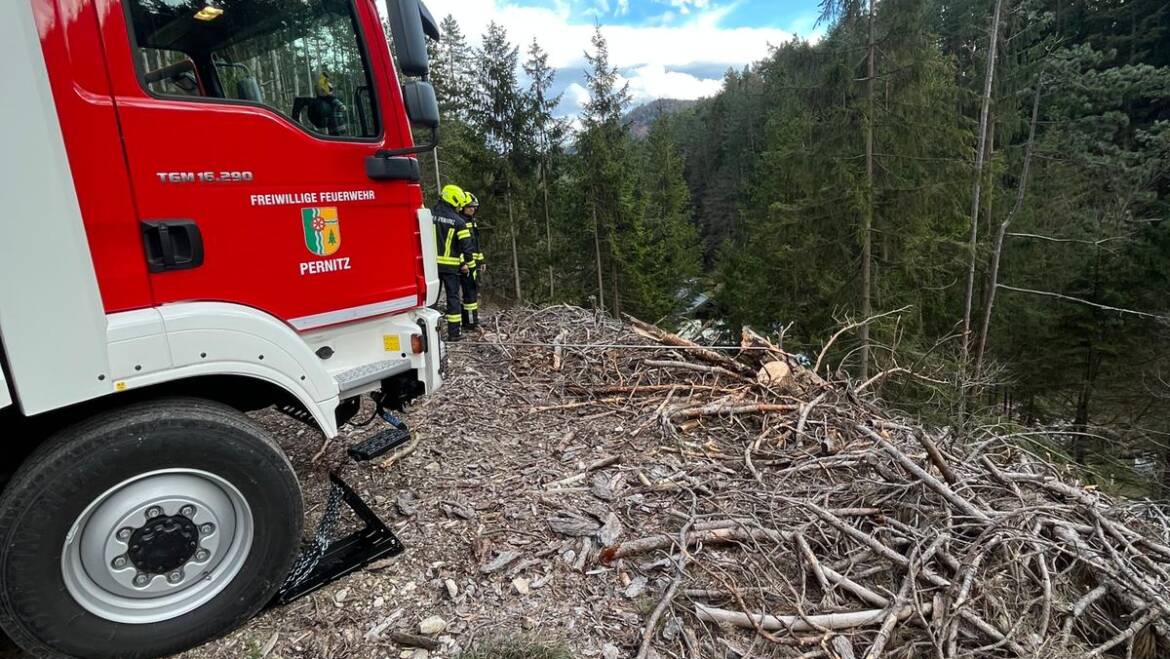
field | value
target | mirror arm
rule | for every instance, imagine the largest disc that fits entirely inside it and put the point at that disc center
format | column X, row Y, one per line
column 422, row 148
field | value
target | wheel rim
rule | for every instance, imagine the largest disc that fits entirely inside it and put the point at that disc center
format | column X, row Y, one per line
column 157, row 546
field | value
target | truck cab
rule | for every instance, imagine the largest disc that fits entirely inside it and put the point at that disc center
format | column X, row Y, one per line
column 211, row 206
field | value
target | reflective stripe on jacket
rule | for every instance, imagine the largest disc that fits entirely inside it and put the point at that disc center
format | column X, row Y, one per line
column 452, row 238
column 477, row 246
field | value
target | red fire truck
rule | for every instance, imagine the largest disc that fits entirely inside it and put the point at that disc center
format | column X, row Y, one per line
column 209, row 207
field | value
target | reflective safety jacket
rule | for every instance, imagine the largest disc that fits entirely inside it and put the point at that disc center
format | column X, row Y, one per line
column 452, row 238
column 476, row 245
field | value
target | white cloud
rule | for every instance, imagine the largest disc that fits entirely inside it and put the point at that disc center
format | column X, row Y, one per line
column 577, row 94
column 699, row 39
column 689, row 33
column 654, row 81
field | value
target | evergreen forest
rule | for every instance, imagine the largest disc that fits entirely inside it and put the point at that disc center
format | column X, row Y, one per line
column 977, row 190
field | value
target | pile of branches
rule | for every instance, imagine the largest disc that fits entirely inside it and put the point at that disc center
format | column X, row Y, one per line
column 781, row 514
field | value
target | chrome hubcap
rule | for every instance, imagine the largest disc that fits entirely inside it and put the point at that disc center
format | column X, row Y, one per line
column 157, row 546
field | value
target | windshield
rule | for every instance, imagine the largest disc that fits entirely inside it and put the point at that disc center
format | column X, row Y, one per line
column 302, row 58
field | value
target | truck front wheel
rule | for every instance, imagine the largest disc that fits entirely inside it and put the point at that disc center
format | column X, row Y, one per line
column 145, row 531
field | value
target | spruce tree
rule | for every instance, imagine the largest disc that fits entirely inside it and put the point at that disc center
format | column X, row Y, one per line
column 548, row 133
column 603, row 149
column 672, row 259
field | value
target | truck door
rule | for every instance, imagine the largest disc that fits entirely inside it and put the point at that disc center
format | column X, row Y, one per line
column 247, row 124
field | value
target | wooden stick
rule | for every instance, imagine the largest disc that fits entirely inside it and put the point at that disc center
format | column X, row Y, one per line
column 680, row 571
column 891, row 619
column 579, row 404
column 936, row 457
column 947, row 493
column 699, row 351
column 879, row 376
column 843, row 647
column 688, row 366
column 715, row 409
column 1079, row 609
column 400, row 453
column 714, row 536
column 813, row 563
column 799, row 623
column 592, row 467
column 1127, row 633
column 641, row 388
column 825, row 350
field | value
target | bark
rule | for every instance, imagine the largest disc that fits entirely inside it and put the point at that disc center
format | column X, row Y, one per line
column 980, row 158
column 993, row 275
column 597, row 253
column 867, row 221
column 802, row 623
column 548, row 231
column 515, row 252
column 713, row 536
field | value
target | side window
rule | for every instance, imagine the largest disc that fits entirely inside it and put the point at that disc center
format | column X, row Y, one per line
column 302, row 58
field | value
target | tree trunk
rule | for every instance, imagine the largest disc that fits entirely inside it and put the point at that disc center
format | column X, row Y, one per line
column 993, row 274
column 989, row 180
column 597, row 252
column 980, row 157
column 548, row 232
column 1089, row 380
column 617, row 298
column 867, row 220
column 515, row 253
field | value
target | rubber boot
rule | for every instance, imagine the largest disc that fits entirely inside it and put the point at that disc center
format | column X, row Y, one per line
column 467, row 322
column 454, row 333
column 475, row 319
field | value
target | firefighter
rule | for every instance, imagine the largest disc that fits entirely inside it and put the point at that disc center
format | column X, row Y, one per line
column 453, row 240
column 470, row 281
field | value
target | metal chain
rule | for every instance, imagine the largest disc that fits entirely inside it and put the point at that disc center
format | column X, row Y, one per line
column 311, row 556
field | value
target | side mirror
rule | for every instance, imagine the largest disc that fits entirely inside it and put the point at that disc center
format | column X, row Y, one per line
column 421, row 106
column 410, row 43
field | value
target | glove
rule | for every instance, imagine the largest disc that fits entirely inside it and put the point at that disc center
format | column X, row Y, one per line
column 463, row 269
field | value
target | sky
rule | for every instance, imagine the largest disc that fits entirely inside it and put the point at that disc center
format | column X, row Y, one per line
column 663, row 48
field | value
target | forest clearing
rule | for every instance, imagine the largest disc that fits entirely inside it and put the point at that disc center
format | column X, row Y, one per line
column 609, row 491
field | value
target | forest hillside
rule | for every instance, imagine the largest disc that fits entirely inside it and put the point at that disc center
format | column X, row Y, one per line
column 976, row 189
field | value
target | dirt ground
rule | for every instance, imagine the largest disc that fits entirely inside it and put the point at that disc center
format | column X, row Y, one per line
column 467, row 493
column 581, row 487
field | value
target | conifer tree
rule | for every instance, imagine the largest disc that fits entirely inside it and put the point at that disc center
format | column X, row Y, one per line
column 672, row 258
column 548, row 133
column 499, row 115
column 604, row 163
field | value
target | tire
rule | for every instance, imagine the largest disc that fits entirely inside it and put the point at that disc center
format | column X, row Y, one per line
column 86, row 474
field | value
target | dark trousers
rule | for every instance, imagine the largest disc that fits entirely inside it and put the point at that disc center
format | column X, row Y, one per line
column 454, row 307
column 470, row 285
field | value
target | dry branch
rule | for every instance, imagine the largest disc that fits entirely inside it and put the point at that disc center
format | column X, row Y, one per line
column 986, row 544
column 799, row 623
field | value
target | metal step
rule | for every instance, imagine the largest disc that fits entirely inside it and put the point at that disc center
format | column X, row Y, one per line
column 361, row 376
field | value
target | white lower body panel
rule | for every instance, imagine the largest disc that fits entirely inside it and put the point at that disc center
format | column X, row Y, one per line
column 178, row 341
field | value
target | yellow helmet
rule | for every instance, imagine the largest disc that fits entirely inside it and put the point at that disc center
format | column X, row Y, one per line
column 454, row 195
column 324, row 85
